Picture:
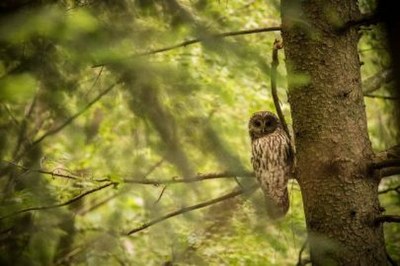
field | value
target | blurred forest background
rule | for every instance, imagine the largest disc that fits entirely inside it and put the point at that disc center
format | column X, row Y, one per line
column 118, row 116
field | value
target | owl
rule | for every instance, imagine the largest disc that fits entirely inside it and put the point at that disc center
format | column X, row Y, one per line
column 272, row 160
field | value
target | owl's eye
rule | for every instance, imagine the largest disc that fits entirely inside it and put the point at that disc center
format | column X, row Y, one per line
column 268, row 123
column 257, row 123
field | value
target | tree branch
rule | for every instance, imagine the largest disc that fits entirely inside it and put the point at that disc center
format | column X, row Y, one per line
column 52, row 173
column 59, row 204
column 387, row 219
column 275, row 62
column 199, row 177
column 381, row 97
column 144, row 181
column 192, row 208
column 376, row 81
column 363, row 20
column 396, row 189
column 197, row 40
column 387, row 162
column 69, row 120
column 300, row 261
column 72, row 118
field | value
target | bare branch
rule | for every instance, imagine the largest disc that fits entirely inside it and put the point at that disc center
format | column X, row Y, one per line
column 363, row 20
column 72, row 118
column 386, row 172
column 381, row 97
column 199, row 177
column 386, row 164
column 143, row 180
column 396, row 189
column 275, row 62
column 52, row 173
column 197, row 40
column 300, row 261
column 387, row 219
column 69, row 120
column 192, row 208
column 98, row 204
column 161, row 194
column 59, row 204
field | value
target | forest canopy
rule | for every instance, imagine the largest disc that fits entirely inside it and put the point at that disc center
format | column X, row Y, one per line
column 124, row 136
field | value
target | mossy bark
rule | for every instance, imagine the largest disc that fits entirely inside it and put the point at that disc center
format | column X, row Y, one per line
column 332, row 145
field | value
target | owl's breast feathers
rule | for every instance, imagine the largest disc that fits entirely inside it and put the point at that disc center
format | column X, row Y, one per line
column 272, row 162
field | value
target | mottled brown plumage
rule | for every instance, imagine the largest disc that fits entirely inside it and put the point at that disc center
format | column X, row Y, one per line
column 272, row 160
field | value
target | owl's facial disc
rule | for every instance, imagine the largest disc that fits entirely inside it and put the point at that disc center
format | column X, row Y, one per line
column 262, row 123
column 257, row 123
column 270, row 124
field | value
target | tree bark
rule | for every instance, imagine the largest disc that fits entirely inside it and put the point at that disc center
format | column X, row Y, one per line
column 340, row 194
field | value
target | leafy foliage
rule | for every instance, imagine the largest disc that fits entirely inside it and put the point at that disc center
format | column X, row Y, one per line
column 86, row 101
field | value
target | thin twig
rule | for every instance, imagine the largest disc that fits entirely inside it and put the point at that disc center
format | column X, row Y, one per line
column 143, row 180
column 69, row 120
column 274, row 65
column 197, row 40
column 199, row 177
column 381, row 97
column 24, row 125
column 300, row 259
column 192, row 208
column 59, row 204
column 161, row 194
column 15, row 121
column 154, row 167
column 42, row 171
column 72, row 118
column 397, row 189
column 98, row 204
column 387, row 219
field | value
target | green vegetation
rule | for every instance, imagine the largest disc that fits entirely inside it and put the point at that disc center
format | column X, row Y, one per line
column 89, row 106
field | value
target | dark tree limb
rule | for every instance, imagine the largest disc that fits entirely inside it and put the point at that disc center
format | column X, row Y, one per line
column 387, row 162
column 59, row 204
column 388, row 172
column 387, row 219
column 363, row 20
column 197, row 40
column 192, row 208
column 396, row 189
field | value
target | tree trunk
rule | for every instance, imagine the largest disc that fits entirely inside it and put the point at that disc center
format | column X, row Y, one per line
column 333, row 149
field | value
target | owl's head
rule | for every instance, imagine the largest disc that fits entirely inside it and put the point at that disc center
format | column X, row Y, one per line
column 262, row 123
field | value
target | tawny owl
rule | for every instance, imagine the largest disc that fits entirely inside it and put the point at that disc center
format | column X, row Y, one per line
column 272, row 160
